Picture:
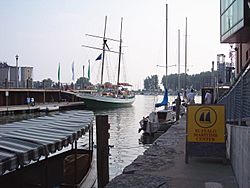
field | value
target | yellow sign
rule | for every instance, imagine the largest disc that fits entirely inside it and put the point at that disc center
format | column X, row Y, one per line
column 206, row 123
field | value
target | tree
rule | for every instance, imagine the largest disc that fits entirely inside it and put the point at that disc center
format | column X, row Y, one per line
column 151, row 83
column 82, row 83
column 47, row 83
column 196, row 81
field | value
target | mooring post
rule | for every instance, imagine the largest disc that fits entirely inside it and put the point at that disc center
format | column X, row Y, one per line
column 102, row 137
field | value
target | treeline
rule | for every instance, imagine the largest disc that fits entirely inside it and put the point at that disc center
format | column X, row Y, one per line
column 196, row 81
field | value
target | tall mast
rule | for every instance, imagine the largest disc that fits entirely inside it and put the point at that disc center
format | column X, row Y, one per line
column 103, row 48
column 166, row 44
column 179, row 62
column 185, row 87
column 120, row 54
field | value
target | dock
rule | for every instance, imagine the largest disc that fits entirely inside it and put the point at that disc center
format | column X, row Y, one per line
column 17, row 109
column 163, row 165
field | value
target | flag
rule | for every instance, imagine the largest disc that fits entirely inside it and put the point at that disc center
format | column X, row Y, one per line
column 73, row 71
column 99, row 57
column 89, row 71
column 58, row 73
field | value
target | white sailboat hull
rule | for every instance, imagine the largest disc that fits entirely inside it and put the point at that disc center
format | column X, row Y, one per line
column 96, row 101
column 157, row 121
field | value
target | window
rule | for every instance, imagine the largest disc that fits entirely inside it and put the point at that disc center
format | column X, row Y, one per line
column 232, row 19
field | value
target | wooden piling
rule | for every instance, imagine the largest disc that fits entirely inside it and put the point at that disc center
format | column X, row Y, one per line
column 102, row 137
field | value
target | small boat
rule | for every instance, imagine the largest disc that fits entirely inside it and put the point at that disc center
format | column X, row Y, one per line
column 159, row 120
column 38, row 153
column 113, row 96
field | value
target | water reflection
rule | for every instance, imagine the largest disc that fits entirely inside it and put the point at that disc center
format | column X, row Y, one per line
column 124, row 137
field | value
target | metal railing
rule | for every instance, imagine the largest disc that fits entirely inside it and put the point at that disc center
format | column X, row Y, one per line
column 237, row 98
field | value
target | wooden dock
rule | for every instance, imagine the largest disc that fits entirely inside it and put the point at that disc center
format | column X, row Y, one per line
column 18, row 109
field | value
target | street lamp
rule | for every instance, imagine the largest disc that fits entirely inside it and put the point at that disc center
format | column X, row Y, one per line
column 17, row 71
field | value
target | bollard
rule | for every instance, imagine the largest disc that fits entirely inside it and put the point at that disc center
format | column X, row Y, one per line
column 102, row 137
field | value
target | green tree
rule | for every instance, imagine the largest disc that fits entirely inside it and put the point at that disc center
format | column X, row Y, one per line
column 196, row 81
column 151, row 83
column 47, row 83
column 82, row 82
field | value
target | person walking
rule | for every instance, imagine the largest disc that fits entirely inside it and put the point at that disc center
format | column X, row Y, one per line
column 208, row 97
column 178, row 105
column 190, row 97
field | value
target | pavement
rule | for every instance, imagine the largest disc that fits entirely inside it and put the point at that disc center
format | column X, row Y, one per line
column 163, row 165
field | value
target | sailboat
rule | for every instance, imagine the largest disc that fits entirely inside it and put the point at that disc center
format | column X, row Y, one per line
column 159, row 120
column 109, row 96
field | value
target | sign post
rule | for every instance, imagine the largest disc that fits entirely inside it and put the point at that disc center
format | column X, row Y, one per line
column 205, row 131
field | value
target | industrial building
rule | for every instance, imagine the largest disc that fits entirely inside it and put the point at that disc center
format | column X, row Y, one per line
column 15, row 77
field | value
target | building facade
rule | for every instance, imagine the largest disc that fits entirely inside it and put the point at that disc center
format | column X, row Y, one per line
column 235, row 29
column 8, row 76
column 26, row 77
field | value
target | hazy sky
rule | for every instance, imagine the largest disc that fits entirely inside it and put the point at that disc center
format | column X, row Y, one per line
column 46, row 32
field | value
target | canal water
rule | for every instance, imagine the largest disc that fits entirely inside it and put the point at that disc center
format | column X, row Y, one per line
column 125, row 141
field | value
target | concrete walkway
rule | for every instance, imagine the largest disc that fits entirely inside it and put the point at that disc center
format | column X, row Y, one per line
column 163, row 165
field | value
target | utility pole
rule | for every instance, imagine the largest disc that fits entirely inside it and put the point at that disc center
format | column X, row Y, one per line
column 179, row 62
column 185, row 57
column 166, row 45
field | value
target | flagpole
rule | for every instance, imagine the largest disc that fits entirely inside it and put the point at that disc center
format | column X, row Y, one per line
column 83, row 71
column 73, row 71
column 59, row 78
column 58, row 75
column 89, row 70
column 73, row 74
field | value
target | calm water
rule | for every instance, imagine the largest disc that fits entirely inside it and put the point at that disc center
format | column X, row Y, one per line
column 124, row 136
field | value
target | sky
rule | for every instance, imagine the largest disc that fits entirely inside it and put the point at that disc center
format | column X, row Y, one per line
column 45, row 33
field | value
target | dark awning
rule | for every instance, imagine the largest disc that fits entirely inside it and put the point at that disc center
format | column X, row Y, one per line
column 28, row 140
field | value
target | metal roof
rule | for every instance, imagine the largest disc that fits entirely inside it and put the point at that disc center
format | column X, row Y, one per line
column 29, row 140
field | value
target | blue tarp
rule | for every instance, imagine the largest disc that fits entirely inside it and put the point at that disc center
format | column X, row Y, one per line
column 164, row 101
